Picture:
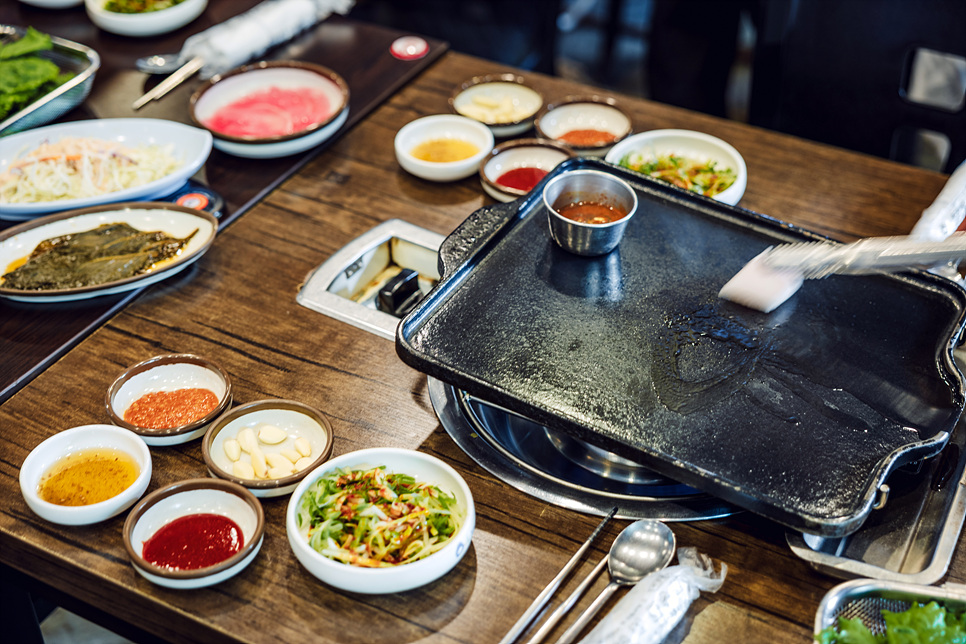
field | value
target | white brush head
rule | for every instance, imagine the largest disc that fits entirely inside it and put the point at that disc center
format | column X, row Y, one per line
column 759, row 286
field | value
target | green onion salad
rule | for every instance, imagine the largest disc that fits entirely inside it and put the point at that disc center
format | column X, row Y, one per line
column 374, row 519
column 705, row 177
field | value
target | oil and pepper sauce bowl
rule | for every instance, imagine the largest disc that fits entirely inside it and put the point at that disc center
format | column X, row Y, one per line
column 442, row 147
column 86, row 474
column 169, row 399
column 194, row 533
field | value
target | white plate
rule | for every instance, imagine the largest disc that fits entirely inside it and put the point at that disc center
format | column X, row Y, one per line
column 19, row 241
column 52, row 4
column 693, row 145
column 191, row 145
column 283, row 148
column 150, row 23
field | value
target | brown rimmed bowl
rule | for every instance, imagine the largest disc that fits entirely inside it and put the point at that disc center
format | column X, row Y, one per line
column 184, row 498
column 224, row 89
column 168, row 373
column 295, row 419
column 539, row 154
column 502, row 102
column 584, row 113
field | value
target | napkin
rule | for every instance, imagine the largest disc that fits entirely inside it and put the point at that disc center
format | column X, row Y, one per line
column 249, row 35
column 653, row 607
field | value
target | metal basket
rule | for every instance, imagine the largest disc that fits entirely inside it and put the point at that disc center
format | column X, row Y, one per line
column 865, row 599
column 72, row 57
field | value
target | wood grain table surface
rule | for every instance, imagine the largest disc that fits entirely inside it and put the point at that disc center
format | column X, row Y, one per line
column 237, row 306
column 32, row 336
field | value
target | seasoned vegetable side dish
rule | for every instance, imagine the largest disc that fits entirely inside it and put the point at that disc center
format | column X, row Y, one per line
column 79, row 167
column 375, row 519
column 105, row 254
column 139, row 6
column 920, row 623
column 25, row 76
column 705, row 177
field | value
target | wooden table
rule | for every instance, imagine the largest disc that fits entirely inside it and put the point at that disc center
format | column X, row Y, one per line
column 237, row 306
column 32, row 337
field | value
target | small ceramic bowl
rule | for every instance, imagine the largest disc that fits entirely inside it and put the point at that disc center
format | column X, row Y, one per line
column 696, row 146
column 503, row 102
column 391, row 579
column 588, row 186
column 168, row 373
column 585, row 115
column 150, row 23
column 527, row 161
column 186, row 498
column 288, row 434
column 254, row 84
column 72, row 441
column 442, row 127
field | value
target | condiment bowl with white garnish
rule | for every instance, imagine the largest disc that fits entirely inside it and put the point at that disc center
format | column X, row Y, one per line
column 268, row 446
column 504, row 102
column 415, row 530
column 169, row 399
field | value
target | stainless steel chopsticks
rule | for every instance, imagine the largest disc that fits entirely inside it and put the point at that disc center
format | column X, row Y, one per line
column 554, row 584
column 568, row 603
column 177, row 77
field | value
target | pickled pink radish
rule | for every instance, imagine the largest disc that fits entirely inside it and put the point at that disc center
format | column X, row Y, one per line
column 274, row 111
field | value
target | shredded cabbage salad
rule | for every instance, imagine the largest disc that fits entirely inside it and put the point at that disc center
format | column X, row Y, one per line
column 705, row 178
column 920, row 624
column 375, row 519
column 77, row 168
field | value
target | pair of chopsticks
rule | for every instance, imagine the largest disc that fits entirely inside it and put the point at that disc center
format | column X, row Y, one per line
column 177, row 77
column 551, row 588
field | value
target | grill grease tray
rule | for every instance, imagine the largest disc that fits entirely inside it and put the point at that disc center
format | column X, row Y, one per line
column 346, row 286
column 798, row 415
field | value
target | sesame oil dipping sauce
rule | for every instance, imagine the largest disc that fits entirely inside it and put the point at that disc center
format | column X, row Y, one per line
column 88, row 476
column 445, row 150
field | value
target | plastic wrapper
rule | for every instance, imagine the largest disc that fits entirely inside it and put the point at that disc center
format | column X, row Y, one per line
column 944, row 217
column 249, row 35
column 653, row 607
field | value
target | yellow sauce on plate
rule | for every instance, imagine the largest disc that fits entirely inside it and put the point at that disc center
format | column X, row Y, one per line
column 444, row 150
column 88, row 476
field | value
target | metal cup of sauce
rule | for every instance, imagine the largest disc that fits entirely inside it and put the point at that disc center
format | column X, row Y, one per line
column 588, row 211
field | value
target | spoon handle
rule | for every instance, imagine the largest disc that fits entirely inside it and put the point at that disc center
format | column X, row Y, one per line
column 571, row 633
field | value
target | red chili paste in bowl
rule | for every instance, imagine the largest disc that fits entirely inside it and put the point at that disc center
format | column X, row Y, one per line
column 194, row 541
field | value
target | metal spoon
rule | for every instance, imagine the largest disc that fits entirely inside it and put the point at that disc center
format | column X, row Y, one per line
column 643, row 547
column 158, row 64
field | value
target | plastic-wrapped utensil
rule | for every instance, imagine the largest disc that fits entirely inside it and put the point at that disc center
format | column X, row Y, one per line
column 652, row 608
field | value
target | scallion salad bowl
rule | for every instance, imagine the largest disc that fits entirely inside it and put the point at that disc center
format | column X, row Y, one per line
column 393, row 577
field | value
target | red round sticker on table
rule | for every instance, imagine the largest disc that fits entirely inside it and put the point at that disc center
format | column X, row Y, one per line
column 409, row 48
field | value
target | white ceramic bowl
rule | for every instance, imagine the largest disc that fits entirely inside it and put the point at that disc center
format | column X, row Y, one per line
column 168, row 373
column 693, row 145
column 150, row 23
column 70, row 441
column 53, row 4
column 539, row 154
column 295, row 419
column 502, row 101
column 223, row 90
column 184, row 498
column 400, row 578
column 584, row 113
column 442, row 126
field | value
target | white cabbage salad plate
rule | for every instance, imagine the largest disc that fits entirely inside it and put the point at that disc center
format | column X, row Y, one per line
column 188, row 145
